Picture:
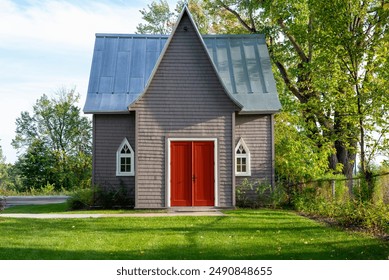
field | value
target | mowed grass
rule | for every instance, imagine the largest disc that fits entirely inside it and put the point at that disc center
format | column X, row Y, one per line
column 63, row 208
column 241, row 234
column 37, row 209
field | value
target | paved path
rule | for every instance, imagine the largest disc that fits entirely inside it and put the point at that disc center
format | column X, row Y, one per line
column 35, row 200
column 40, row 200
column 79, row 216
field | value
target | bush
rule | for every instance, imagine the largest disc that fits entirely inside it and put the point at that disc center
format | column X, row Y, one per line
column 373, row 216
column 254, row 194
column 81, row 199
column 109, row 198
column 105, row 198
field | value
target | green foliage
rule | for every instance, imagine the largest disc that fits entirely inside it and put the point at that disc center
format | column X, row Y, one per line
column 255, row 194
column 104, row 198
column 55, row 142
column 114, row 197
column 332, row 77
column 318, row 200
column 81, row 199
column 298, row 157
column 159, row 18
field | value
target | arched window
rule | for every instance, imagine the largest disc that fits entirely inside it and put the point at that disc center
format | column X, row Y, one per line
column 125, row 159
column 242, row 159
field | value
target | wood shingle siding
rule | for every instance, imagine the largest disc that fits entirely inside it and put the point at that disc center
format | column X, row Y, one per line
column 158, row 90
column 108, row 133
column 256, row 131
column 184, row 100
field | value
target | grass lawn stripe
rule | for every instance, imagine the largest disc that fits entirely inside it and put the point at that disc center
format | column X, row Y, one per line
column 242, row 234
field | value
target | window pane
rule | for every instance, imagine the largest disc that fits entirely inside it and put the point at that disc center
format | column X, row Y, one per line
column 125, row 164
column 244, row 165
column 128, row 164
column 239, row 165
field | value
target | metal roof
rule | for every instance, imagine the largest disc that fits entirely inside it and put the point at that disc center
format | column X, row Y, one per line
column 122, row 65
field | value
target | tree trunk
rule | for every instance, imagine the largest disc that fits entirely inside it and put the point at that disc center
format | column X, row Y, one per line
column 347, row 159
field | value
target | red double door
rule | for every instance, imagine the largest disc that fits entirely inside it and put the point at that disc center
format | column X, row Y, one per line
column 192, row 173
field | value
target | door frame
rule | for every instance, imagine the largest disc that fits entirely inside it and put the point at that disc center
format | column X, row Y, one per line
column 168, row 164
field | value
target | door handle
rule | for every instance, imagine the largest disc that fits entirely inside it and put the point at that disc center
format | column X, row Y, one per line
column 194, row 178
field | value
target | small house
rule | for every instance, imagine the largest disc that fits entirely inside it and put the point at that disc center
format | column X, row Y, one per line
column 181, row 120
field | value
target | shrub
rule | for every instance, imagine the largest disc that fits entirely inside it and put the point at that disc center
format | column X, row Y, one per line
column 114, row 197
column 105, row 198
column 254, row 194
column 81, row 199
column 373, row 216
column 242, row 197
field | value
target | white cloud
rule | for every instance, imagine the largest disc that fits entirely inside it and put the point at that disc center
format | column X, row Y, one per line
column 48, row 44
column 62, row 24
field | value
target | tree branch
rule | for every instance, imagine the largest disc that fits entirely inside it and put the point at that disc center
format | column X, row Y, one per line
column 288, row 82
column 235, row 13
column 296, row 46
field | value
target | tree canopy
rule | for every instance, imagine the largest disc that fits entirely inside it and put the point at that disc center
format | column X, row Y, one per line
column 330, row 60
column 54, row 142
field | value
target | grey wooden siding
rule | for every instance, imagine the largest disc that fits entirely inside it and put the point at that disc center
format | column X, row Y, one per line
column 108, row 133
column 184, row 99
column 256, row 131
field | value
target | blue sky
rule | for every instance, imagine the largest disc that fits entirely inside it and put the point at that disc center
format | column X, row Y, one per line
column 48, row 44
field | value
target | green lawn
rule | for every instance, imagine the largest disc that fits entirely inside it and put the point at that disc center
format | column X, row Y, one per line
column 63, row 208
column 242, row 234
column 37, row 209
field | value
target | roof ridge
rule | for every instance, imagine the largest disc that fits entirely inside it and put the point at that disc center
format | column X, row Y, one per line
column 125, row 35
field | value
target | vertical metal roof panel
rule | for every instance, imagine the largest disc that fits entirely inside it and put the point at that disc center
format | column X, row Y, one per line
column 138, row 58
column 122, row 71
column 122, row 65
column 253, row 67
column 94, row 77
column 110, row 57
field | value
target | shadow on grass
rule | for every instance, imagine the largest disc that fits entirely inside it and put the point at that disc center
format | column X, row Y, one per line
column 194, row 252
column 243, row 235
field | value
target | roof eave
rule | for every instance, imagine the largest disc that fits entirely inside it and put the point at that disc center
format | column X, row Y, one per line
column 259, row 112
column 105, row 112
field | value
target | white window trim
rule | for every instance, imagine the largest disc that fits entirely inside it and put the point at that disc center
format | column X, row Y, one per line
column 119, row 156
column 247, row 156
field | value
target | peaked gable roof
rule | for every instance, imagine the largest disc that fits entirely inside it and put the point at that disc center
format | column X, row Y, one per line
column 124, row 65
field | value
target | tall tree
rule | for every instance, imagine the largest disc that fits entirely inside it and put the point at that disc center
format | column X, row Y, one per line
column 159, row 18
column 55, row 142
column 330, row 56
column 3, row 169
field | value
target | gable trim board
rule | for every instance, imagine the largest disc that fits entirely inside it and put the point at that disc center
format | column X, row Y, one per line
column 181, row 88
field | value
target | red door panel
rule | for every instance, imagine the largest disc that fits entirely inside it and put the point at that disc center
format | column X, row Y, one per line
column 181, row 173
column 192, row 173
column 203, row 171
